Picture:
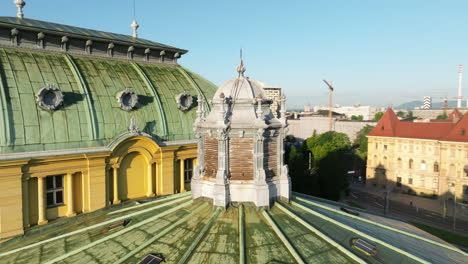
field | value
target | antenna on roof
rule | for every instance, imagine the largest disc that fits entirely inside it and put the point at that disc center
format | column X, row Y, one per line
column 19, row 4
column 241, row 67
column 134, row 24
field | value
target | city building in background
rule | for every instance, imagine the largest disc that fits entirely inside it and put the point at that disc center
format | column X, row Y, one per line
column 427, row 102
column 304, row 124
column 424, row 157
column 367, row 112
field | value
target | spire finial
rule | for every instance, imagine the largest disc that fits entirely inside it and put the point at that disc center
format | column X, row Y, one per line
column 241, row 67
column 19, row 4
column 134, row 24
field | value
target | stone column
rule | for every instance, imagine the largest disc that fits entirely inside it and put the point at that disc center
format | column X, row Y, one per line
column 41, row 201
column 115, row 175
column 150, row 192
column 25, row 191
column 182, row 175
column 108, row 181
column 198, row 168
column 259, row 157
column 221, row 189
column 262, row 193
column 70, row 207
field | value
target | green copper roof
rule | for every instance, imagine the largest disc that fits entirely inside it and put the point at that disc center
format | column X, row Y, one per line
column 306, row 230
column 90, row 115
column 90, row 33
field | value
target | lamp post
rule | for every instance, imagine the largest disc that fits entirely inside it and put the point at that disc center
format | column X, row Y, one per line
column 453, row 191
column 331, row 89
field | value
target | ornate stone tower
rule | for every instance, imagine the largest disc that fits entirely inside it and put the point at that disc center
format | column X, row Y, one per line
column 240, row 146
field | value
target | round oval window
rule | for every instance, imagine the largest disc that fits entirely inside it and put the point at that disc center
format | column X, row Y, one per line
column 184, row 101
column 50, row 98
column 127, row 99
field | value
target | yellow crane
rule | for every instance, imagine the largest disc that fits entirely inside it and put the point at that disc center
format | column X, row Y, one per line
column 330, row 88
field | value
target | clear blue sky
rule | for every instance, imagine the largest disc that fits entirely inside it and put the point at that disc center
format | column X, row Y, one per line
column 374, row 52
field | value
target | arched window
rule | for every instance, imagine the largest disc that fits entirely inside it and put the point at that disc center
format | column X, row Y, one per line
column 399, row 163
column 375, row 160
column 410, row 164
column 423, row 165
column 436, row 167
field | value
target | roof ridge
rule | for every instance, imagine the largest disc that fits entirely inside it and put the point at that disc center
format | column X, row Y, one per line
column 52, row 26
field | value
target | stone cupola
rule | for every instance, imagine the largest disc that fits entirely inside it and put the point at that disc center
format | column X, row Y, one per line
column 240, row 146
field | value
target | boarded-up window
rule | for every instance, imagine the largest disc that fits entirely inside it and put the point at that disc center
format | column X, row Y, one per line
column 241, row 158
column 270, row 157
column 211, row 157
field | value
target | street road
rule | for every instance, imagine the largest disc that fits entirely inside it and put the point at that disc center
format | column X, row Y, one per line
column 375, row 203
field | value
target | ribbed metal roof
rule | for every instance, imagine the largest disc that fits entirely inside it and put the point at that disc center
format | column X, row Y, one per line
column 306, row 230
column 90, row 33
column 90, row 115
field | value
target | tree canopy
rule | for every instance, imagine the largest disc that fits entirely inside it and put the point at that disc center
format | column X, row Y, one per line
column 325, row 143
column 378, row 116
column 361, row 141
column 442, row 116
column 359, row 117
column 400, row 114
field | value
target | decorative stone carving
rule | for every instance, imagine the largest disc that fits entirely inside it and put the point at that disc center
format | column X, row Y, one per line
column 176, row 56
column 162, row 54
column 49, row 98
column 64, row 43
column 127, row 99
column 19, row 5
column 110, row 49
column 130, row 51
column 88, row 46
column 147, row 53
column 249, row 144
column 133, row 128
column 184, row 100
column 14, row 36
column 40, row 39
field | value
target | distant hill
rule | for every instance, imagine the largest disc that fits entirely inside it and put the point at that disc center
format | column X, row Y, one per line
column 411, row 105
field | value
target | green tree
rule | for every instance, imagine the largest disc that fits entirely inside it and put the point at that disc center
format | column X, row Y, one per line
column 331, row 155
column 378, row 116
column 442, row 116
column 400, row 114
column 297, row 161
column 325, row 143
column 360, row 142
column 359, row 117
column 410, row 114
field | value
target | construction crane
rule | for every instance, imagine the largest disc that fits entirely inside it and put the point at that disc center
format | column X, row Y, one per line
column 446, row 101
column 330, row 88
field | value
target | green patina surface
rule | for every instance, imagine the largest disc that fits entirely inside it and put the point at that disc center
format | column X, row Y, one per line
column 44, row 25
column 219, row 244
column 94, row 119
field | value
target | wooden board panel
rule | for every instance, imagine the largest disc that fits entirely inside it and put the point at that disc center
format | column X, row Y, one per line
column 211, row 157
column 241, row 158
column 270, row 158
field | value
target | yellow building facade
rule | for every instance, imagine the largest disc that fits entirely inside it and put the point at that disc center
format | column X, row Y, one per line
column 436, row 163
column 90, row 121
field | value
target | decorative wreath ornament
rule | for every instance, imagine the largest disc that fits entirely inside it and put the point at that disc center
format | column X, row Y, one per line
column 49, row 98
column 185, row 101
column 127, row 99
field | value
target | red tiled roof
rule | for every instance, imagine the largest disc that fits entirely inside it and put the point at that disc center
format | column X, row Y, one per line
column 455, row 114
column 390, row 126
